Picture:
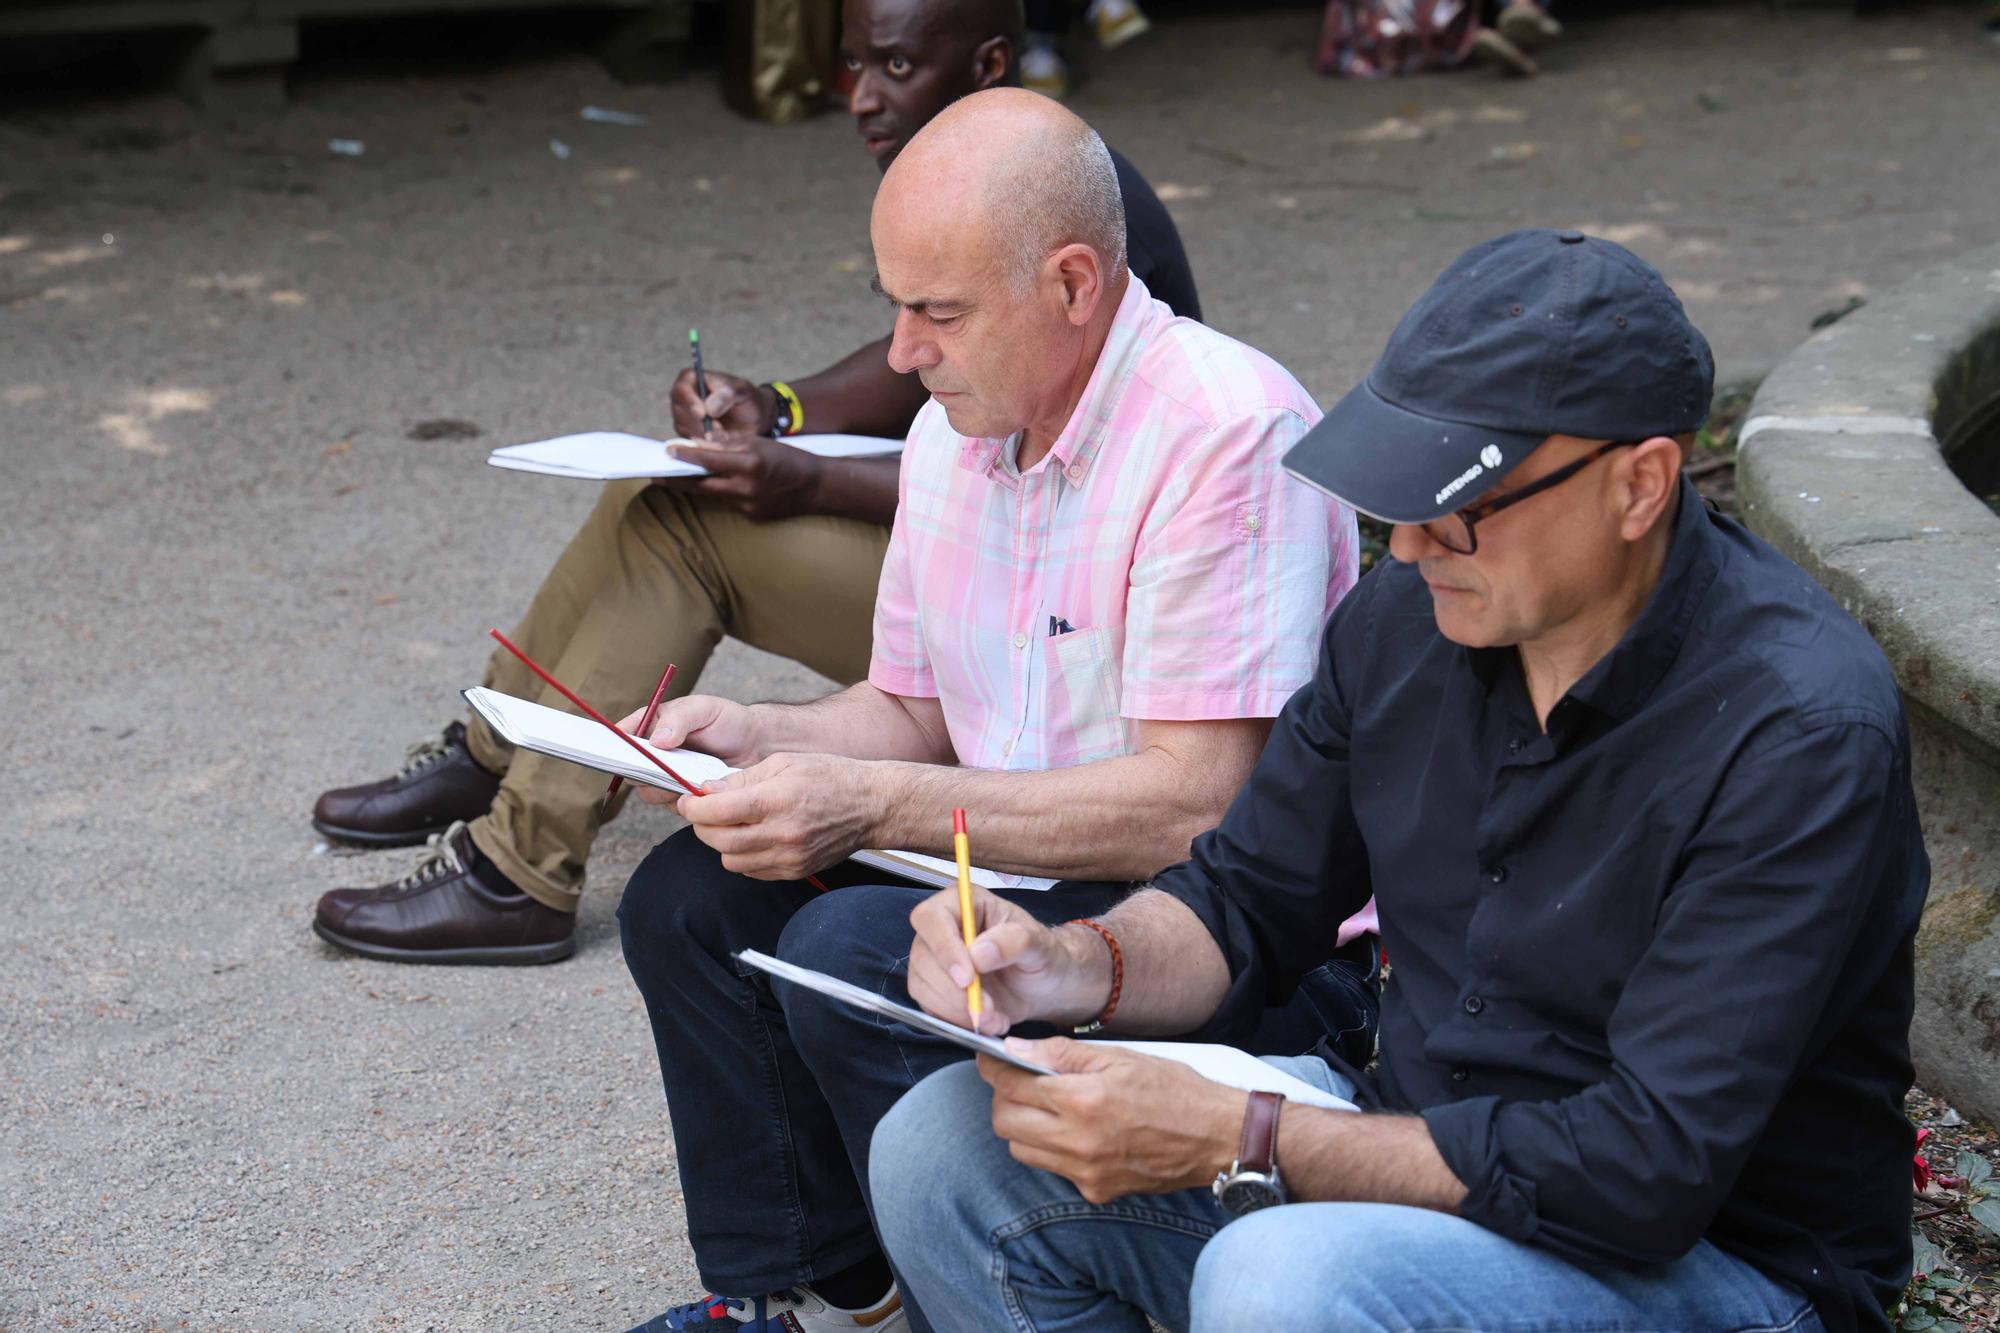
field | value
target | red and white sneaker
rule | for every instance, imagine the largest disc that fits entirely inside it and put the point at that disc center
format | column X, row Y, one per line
column 794, row 1310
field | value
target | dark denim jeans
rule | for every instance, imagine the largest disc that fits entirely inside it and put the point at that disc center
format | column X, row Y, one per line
column 774, row 1093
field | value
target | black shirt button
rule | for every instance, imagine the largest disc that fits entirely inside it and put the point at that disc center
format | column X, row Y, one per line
column 1514, row 746
column 1458, row 1076
column 1498, row 874
column 1473, row 1004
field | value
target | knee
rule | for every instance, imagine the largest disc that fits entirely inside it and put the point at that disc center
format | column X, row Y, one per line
column 675, row 899
column 614, row 502
column 860, row 935
column 1253, row 1274
column 1352, row 1266
column 915, row 1204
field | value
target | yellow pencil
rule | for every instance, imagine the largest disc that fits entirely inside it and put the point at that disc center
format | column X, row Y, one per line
column 962, row 848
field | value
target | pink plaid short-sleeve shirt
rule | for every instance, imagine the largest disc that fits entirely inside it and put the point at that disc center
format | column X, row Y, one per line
column 1156, row 564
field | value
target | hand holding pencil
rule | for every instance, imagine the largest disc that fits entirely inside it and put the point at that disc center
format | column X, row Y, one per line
column 1024, row 968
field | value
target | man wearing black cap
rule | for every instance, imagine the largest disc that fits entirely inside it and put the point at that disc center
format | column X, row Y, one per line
column 1634, row 796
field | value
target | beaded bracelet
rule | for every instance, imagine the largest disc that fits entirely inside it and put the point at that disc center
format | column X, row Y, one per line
column 1117, row 977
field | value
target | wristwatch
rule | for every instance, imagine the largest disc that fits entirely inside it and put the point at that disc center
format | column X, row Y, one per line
column 1252, row 1182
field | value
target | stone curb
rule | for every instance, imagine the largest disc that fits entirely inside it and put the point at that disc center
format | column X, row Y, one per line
column 1842, row 465
column 1839, row 465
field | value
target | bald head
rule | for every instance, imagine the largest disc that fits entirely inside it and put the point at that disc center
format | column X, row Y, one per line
column 1031, row 175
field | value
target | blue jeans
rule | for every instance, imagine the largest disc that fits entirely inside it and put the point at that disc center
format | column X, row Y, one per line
column 774, row 1092
column 985, row 1243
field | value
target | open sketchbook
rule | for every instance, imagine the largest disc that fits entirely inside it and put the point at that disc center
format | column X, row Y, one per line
column 1220, row 1064
column 604, row 455
column 560, row 735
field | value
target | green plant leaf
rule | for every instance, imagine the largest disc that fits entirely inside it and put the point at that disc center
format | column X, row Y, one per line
column 1986, row 1212
column 1974, row 1168
column 1928, row 1258
column 1918, row 1321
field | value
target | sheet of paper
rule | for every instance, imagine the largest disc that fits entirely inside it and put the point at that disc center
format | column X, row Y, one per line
column 935, row 872
column 614, row 455
column 550, row 731
column 1238, row 1069
column 1220, row 1064
column 533, row 726
column 850, row 994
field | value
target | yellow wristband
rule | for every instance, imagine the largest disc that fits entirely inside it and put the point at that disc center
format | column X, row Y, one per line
column 794, row 409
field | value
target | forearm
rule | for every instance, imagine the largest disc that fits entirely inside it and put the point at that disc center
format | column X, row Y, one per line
column 860, row 395
column 861, row 722
column 863, row 488
column 1117, row 819
column 1340, row 1157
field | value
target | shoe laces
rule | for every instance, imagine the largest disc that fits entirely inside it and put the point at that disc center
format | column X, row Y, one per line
column 425, row 753
column 440, row 858
column 713, row 1309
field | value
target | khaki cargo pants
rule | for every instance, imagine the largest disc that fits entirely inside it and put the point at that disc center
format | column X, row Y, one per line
column 657, row 576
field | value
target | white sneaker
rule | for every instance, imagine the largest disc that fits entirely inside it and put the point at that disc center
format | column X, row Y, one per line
column 1117, row 22
column 795, row 1310
column 1043, row 70
column 1528, row 26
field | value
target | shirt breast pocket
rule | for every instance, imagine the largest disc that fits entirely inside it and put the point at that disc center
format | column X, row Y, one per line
column 1082, row 699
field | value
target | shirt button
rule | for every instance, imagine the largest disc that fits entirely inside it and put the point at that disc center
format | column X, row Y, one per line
column 1252, row 522
column 1076, row 471
column 1514, row 746
column 1473, row 1004
column 1497, row 874
column 1458, row 1076
column 1008, row 748
column 1020, row 639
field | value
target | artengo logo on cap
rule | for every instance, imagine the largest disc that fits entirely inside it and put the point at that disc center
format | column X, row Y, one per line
column 1488, row 457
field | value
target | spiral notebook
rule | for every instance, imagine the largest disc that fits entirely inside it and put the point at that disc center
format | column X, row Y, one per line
column 606, row 455
column 1219, row 1064
column 578, row 740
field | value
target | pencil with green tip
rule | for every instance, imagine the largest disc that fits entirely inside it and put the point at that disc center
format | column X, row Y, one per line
column 961, row 846
column 700, row 380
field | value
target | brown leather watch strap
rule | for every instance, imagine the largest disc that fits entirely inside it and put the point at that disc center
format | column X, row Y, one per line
column 1259, row 1149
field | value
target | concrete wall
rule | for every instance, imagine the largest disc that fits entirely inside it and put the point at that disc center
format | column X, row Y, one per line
column 1843, row 465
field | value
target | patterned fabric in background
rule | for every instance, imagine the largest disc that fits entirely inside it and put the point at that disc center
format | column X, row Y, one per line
column 1373, row 39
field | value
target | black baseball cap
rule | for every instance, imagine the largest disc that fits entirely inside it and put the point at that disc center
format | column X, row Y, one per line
column 1532, row 334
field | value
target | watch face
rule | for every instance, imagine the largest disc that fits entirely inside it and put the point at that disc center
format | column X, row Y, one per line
column 1246, row 1194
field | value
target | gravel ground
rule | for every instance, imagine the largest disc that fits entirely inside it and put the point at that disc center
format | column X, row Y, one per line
column 234, row 579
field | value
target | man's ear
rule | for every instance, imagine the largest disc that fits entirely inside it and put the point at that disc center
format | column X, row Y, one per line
column 1081, row 273
column 1653, row 480
column 992, row 59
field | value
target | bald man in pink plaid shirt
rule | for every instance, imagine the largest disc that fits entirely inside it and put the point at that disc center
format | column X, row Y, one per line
column 1100, row 589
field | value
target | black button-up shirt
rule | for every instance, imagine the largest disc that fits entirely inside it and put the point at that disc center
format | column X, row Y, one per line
column 1652, row 971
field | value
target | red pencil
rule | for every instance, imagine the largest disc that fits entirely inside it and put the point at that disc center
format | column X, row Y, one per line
column 645, row 723
column 595, row 716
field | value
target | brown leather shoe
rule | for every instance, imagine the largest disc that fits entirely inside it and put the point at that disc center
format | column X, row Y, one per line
column 440, row 784
column 441, row 913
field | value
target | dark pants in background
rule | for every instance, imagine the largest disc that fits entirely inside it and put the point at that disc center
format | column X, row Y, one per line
column 774, row 1092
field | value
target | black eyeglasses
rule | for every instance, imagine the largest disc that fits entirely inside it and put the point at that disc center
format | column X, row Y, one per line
column 1457, row 532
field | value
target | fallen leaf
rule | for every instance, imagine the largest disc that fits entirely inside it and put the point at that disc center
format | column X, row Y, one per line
column 344, row 447
column 445, row 428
